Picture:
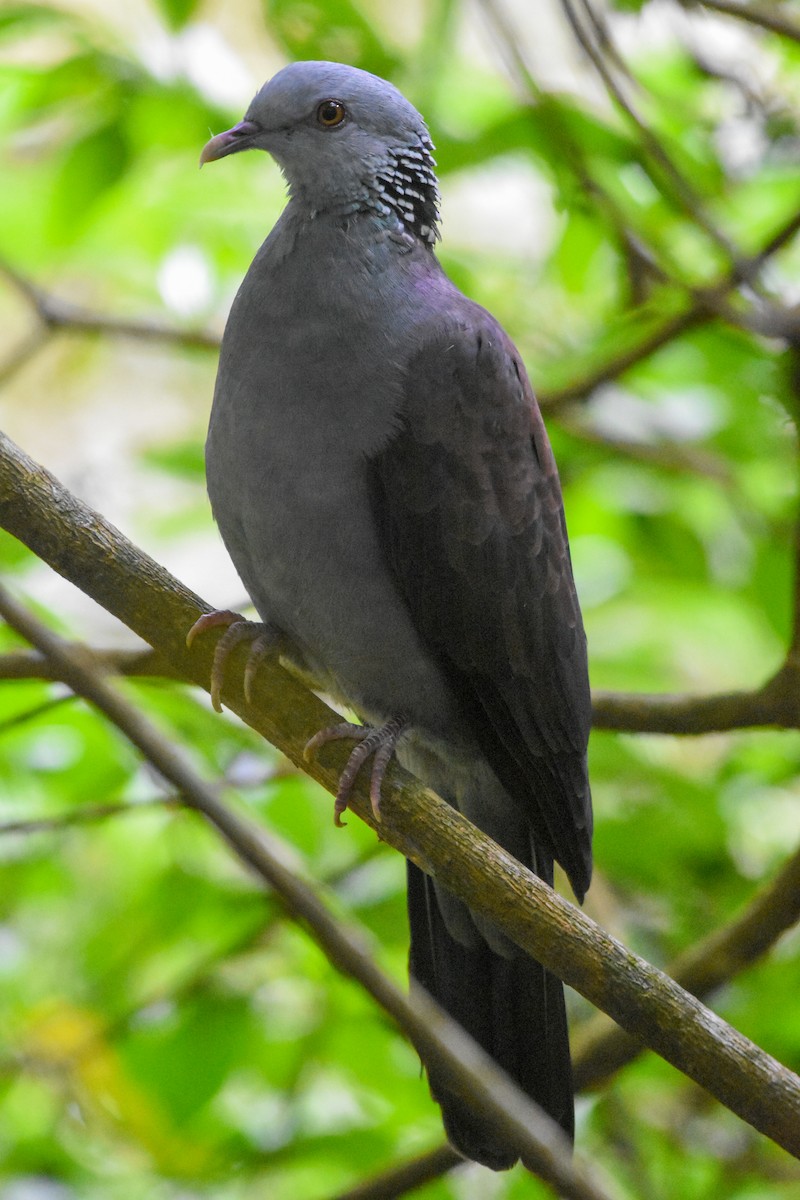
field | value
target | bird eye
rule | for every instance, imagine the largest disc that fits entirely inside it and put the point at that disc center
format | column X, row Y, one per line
column 331, row 113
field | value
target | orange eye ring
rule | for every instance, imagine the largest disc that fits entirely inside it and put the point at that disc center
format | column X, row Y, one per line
column 331, row 113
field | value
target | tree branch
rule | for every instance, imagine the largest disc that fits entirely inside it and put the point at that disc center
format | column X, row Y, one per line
column 468, row 1069
column 85, row 548
column 601, row 1049
column 776, row 703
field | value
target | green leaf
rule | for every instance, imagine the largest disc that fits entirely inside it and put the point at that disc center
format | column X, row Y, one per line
column 329, row 29
column 93, row 166
column 184, row 1058
column 178, row 12
column 19, row 19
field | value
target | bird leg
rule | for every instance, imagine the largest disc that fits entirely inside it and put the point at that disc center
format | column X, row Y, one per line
column 378, row 741
column 264, row 638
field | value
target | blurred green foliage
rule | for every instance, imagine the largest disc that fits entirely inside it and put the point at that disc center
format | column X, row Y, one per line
column 164, row 1031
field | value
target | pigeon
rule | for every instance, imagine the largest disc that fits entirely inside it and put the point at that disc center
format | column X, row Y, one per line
column 380, row 474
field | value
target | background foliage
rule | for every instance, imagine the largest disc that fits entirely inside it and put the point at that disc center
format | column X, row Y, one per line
column 164, row 1032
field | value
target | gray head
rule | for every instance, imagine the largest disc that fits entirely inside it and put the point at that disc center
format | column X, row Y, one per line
column 346, row 141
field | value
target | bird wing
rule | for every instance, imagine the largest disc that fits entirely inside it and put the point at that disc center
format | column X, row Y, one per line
column 469, row 506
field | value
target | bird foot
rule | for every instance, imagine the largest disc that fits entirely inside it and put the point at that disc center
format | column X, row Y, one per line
column 377, row 741
column 263, row 638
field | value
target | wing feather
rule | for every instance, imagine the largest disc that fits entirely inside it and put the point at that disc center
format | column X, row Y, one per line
column 469, row 504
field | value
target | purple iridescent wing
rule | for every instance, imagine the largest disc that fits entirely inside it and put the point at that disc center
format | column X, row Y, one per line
column 469, row 502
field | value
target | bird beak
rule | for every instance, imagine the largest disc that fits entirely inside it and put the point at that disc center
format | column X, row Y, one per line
column 229, row 142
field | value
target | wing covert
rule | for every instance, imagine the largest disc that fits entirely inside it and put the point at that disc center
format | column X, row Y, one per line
column 469, row 503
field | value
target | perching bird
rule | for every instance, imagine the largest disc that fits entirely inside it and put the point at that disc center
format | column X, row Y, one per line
column 380, row 474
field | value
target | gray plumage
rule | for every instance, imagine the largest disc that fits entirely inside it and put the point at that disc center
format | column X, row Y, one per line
column 381, row 477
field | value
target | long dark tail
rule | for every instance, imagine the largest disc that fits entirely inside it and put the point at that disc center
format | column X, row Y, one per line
column 511, row 1006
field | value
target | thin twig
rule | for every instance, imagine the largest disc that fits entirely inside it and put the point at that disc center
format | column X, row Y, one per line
column 33, row 714
column 84, row 816
column 668, row 456
column 509, row 43
column 766, row 16
column 57, row 314
column 681, row 190
column 701, row 307
column 404, row 1177
column 144, row 663
column 468, row 1069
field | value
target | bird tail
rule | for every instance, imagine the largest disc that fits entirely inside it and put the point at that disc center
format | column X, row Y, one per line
column 513, row 1008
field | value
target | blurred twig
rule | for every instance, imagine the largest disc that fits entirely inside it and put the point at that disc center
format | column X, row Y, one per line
column 468, row 1069
column 33, row 714
column 30, row 664
column 84, row 816
column 767, row 16
column 510, row 46
column 54, row 315
column 405, row 1177
column 701, row 306
column 668, row 456
column 680, row 189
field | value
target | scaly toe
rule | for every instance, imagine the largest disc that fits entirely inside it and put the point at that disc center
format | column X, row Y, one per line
column 379, row 741
column 237, row 631
column 263, row 645
column 333, row 733
column 264, row 638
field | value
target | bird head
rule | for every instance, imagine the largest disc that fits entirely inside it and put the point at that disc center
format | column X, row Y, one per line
column 345, row 140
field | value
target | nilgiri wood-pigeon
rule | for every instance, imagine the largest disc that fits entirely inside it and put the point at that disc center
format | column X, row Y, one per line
column 380, row 474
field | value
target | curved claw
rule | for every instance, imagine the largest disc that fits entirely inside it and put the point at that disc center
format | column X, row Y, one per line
column 238, row 630
column 380, row 741
column 212, row 620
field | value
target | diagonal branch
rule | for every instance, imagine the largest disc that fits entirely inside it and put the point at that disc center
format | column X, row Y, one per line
column 698, row 308
column 404, row 1177
column 469, row 1070
column 54, row 314
column 768, row 17
column 603, row 1048
column 85, row 548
